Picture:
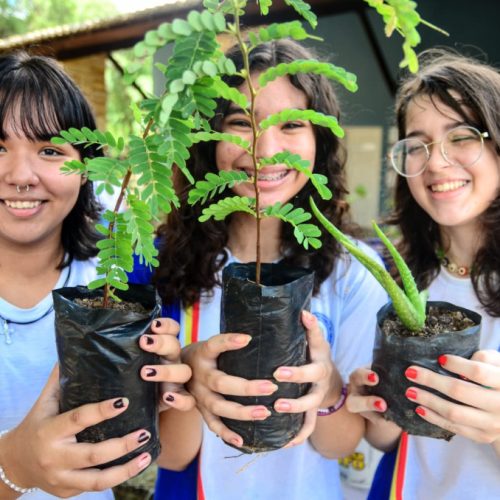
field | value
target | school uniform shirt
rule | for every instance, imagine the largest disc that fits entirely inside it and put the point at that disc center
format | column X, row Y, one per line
column 27, row 355
column 346, row 307
column 423, row 468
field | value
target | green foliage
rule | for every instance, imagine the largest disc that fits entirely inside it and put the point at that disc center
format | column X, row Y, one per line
column 409, row 304
column 401, row 16
column 139, row 164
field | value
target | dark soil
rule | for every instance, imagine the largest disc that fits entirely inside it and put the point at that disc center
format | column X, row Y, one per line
column 96, row 303
column 438, row 320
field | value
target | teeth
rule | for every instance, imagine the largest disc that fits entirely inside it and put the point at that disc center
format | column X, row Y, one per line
column 23, row 204
column 447, row 186
column 274, row 176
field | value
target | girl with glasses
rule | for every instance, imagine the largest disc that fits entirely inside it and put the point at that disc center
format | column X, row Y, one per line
column 447, row 207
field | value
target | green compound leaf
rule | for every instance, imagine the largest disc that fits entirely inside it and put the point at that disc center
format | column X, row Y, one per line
column 227, row 206
column 141, row 231
column 309, row 115
column 230, row 93
column 215, row 183
column 264, row 6
column 220, row 136
column 336, row 73
column 401, row 16
column 410, row 315
column 277, row 31
column 292, row 160
column 306, row 234
column 304, row 9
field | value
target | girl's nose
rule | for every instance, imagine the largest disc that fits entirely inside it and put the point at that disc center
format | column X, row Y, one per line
column 437, row 159
column 19, row 171
column 268, row 143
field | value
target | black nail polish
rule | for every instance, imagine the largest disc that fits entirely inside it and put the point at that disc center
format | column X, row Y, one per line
column 169, row 398
column 150, row 372
column 157, row 323
column 119, row 403
column 149, row 340
column 143, row 437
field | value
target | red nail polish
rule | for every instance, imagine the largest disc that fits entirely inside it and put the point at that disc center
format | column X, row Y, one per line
column 378, row 404
column 411, row 373
column 442, row 360
column 420, row 411
column 372, row 377
column 411, row 394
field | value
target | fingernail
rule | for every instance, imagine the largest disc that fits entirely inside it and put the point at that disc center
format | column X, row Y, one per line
column 149, row 340
column 119, row 403
column 442, row 359
column 420, row 411
column 379, row 405
column 267, row 388
column 372, row 377
column 157, row 323
column 283, row 373
column 411, row 373
column 150, row 372
column 307, row 319
column 259, row 413
column 169, row 398
column 411, row 394
column 241, row 339
column 236, row 442
column 144, row 461
column 143, row 437
column 283, row 406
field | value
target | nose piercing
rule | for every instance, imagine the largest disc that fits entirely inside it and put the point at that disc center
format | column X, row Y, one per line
column 26, row 188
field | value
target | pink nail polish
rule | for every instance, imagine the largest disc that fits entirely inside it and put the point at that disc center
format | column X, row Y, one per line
column 372, row 377
column 379, row 405
column 442, row 360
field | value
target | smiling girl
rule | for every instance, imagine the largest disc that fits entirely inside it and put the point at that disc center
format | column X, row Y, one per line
column 47, row 241
column 447, row 206
column 192, row 257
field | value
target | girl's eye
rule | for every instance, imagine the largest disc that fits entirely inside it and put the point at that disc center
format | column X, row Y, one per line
column 292, row 125
column 2, row 149
column 238, row 122
column 50, row 152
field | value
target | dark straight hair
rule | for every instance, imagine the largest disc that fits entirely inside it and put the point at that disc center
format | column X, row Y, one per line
column 38, row 99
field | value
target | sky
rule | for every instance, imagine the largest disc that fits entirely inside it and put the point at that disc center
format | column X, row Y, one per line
column 134, row 5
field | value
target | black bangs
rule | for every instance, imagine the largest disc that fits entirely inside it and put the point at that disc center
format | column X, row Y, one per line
column 37, row 102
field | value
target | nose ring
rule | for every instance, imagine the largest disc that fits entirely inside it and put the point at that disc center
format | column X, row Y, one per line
column 26, row 188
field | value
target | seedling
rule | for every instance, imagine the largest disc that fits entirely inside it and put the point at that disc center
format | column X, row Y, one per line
column 179, row 117
column 409, row 304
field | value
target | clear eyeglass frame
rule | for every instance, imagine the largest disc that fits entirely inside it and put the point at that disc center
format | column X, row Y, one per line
column 402, row 145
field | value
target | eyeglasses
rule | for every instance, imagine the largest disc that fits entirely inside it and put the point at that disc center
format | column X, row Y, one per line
column 461, row 146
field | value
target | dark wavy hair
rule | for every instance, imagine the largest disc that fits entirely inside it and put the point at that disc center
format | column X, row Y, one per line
column 471, row 89
column 38, row 99
column 191, row 253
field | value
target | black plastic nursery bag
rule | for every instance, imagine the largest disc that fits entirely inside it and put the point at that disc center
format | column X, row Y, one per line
column 271, row 314
column 393, row 354
column 100, row 358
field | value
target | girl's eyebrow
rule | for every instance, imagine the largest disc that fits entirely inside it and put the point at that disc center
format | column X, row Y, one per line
column 233, row 110
column 448, row 127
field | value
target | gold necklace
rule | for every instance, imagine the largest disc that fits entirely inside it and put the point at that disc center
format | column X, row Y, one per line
column 452, row 267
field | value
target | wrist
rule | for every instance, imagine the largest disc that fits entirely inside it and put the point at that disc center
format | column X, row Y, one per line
column 4, row 479
column 336, row 406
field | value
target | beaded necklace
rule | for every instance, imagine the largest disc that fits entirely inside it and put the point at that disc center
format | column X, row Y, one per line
column 452, row 267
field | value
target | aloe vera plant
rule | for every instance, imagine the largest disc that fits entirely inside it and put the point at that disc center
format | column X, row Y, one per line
column 141, row 166
column 409, row 304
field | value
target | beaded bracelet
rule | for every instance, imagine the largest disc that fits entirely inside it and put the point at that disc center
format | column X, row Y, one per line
column 9, row 483
column 323, row 412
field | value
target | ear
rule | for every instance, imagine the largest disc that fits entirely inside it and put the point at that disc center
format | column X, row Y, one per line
column 83, row 180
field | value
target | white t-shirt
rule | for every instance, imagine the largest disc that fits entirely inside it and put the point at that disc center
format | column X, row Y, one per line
column 26, row 362
column 346, row 307
column 458, row 469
